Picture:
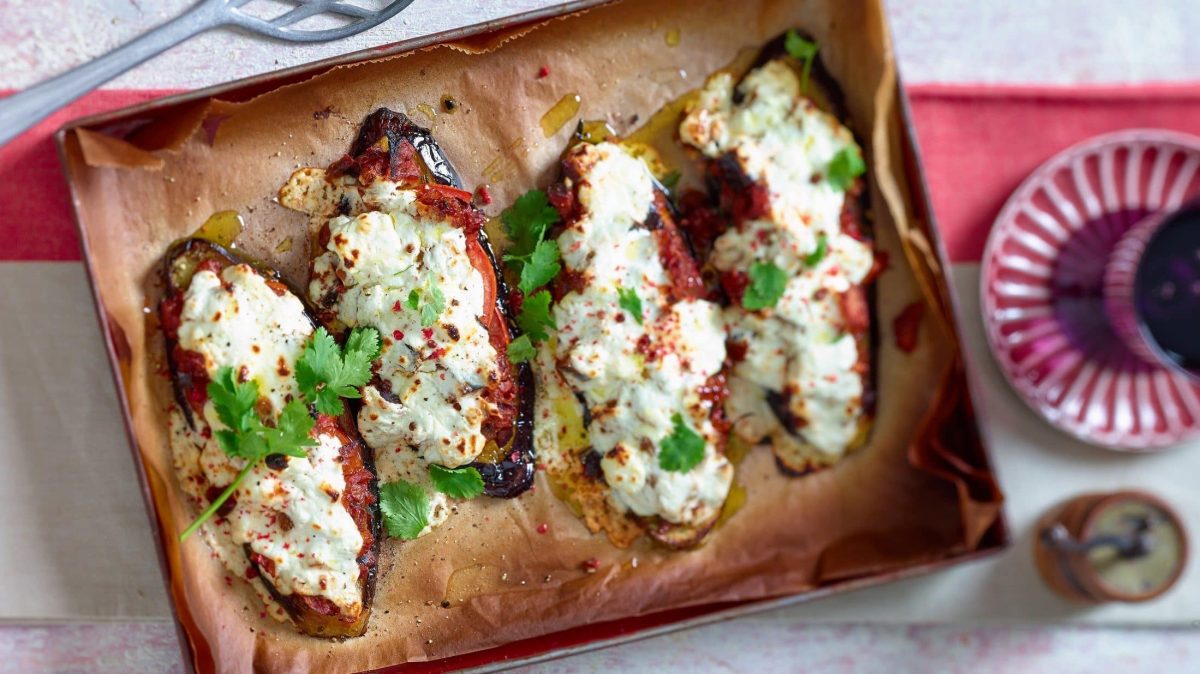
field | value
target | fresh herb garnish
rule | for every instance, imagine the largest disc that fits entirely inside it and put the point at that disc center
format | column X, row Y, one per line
column 405, row 508
column 526, row 223
column 464, row 482
column 682, row 450
column 671, row 180
column 804, row 50
column 535, row 318
column 629, row 301
column 247, row 437
column 326, row 373
column 814, row 258
column 536, row 260
column 846, row 165
column 433, row 305
column 540, row 267
column 767, row 283
column 521, row 350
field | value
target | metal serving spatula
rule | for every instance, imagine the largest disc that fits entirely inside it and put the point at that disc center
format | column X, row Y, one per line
column 22, row 110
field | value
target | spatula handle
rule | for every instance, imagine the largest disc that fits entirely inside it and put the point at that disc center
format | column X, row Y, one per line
column 24, row 109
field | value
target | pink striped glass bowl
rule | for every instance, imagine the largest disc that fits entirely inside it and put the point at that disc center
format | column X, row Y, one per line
column 1043, row 290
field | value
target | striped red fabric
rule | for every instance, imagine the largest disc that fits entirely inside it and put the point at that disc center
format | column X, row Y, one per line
column 35, row 210
column 977, row 142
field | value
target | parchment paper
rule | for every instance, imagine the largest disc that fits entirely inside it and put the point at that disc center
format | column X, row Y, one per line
column 916, row 493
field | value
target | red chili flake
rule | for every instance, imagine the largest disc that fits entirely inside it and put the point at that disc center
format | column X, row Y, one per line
column 427, row 333
column 251, row 573
column 590, row 565
column 543, row 72
column 397, row 307
column 483, row 195
column 262, row 614
column 906, row 326
column 437, row 353
column 737, row 350
column 431, row 344
column 543, row 528
column 397, row 335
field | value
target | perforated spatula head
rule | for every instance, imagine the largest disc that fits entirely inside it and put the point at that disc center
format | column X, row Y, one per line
column 274, row 18
column 292, row 20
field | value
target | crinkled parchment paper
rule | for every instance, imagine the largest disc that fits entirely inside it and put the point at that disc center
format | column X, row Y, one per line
column 919, row 492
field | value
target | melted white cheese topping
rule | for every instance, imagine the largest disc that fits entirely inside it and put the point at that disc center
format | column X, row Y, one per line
column 632, row 399
column 432, row 408
column 294, row 517
column 783, row 142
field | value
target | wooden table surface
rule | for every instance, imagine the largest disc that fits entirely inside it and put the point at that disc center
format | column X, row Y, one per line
column 938, row 41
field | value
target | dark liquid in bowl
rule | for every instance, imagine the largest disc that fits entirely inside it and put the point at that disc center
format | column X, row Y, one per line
column 1167, row 289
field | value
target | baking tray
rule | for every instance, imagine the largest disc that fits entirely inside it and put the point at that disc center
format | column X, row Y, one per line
column 129, row 120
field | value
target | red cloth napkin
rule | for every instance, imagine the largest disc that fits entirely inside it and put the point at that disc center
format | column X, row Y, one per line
column 978, row 143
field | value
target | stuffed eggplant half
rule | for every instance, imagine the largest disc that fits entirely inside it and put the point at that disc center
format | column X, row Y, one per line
column 791, row 253
column 398, row 247
column 301, row 527
column 631, row 420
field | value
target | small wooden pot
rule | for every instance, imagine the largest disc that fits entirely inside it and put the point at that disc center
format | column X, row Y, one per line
column 1126, row 546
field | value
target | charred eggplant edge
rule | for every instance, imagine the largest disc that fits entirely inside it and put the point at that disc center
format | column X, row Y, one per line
column 514, row 474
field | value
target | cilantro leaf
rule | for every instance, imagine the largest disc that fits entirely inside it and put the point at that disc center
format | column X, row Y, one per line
column 247, row 436
column 803, row 50
column 535, row 316
column 326, row 373
column 228, row 441
column 291, row 433
column 526, row 223
column 540, row 267
column 362, row 348
column 530, row 254
column 251, row 443
column 316, row 366
column 233, row 400
column 464, row 483
column 629, row 301
column 846, row 165
column 521, row 350
column 682, row 450
column 671, row 180
column 434, row 305
column 405, row 508
column 814, row 258
column 767, row 283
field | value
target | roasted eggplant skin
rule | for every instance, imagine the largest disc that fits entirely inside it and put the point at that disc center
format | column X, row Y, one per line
column 391, row 146
column 314, row 616
column 737, row 197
